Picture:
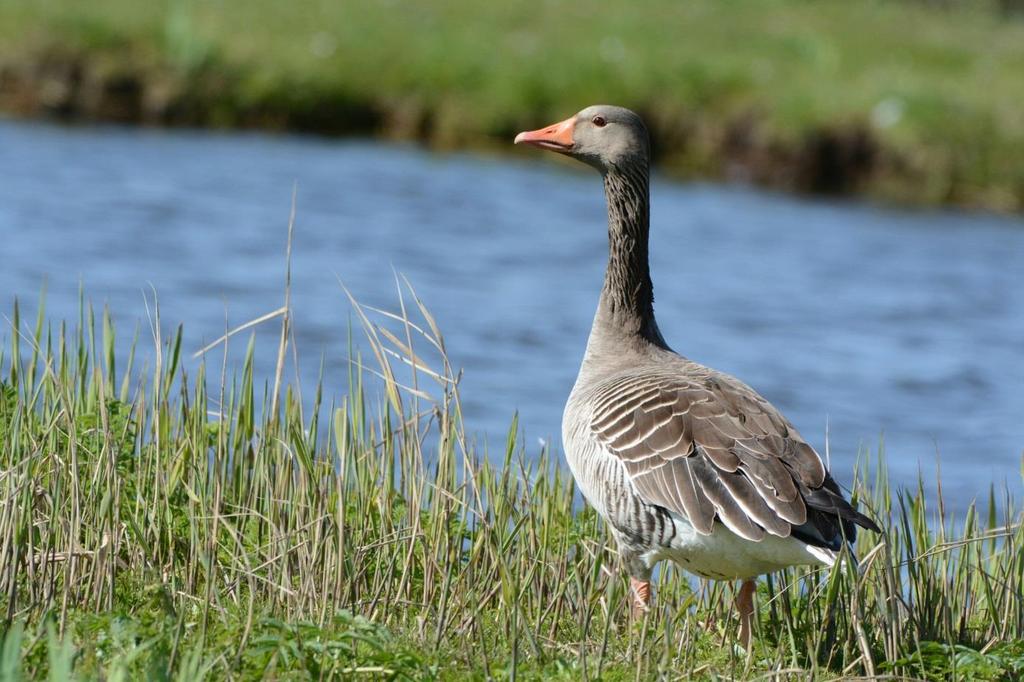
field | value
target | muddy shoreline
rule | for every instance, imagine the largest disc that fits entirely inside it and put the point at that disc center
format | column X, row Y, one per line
column 844, row 159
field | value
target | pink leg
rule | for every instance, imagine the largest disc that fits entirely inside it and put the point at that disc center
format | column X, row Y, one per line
column 641, row 593
column 745, row 605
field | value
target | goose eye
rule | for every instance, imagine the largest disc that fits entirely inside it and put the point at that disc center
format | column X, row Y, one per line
column 599, row 121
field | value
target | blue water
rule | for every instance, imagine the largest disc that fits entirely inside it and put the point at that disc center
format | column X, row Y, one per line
column 854, row 320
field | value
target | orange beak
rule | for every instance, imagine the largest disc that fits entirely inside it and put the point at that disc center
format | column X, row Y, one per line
column 556, row 137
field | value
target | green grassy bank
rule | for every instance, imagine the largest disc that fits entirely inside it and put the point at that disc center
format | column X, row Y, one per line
column 158, row 523
column 903, row 100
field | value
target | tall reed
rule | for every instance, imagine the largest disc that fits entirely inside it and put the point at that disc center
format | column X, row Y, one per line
column 158, row 524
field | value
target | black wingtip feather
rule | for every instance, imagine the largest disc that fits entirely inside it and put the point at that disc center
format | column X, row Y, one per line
column 830, row 518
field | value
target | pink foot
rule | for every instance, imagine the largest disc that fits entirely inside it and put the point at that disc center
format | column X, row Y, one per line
column 641, row 593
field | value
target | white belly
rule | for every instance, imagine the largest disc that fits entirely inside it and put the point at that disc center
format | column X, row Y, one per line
column 723, row 555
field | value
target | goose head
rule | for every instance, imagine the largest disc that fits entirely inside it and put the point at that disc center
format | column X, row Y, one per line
column 602, row 136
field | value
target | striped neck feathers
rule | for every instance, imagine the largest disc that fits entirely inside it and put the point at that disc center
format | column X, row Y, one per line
column 627, row 299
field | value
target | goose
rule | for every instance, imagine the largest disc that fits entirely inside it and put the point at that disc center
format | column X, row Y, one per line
column 683, row 462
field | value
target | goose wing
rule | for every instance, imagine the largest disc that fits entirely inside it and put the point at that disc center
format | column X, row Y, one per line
column 706, row 446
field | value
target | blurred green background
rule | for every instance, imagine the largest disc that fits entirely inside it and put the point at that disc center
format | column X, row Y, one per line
column 906, row 100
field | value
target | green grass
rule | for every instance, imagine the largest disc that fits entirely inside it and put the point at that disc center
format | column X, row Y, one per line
column 914, row 102
column 161, row 525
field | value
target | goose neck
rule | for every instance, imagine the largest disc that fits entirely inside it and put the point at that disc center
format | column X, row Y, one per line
column 627, row 298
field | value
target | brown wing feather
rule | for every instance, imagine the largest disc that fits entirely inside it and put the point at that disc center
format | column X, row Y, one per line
column 707, row 447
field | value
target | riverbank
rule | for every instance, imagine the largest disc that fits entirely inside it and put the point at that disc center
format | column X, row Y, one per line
column 897, row 101
column 159, row 526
